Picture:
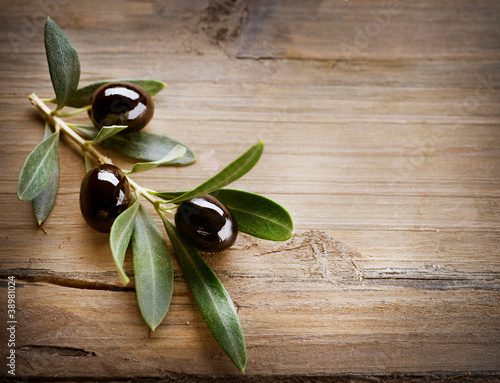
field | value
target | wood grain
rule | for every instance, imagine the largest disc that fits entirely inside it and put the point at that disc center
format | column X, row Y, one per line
column 384, row 148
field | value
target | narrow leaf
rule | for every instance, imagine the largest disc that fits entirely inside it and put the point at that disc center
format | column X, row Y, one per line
column 119, row 238
column 211, row 297
column 168, row 195
column 147, row 147
column 257, row 215
column 37, row 170
column 82, row 96
column 106, row 132
column 230, row 173
column 176, row 153
column 140, row 145
column 64, row 64
column 44, row 203
column 153, row 273
column 89, row 131
column 88, row 163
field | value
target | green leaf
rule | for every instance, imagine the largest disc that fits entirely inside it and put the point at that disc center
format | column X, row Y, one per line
column 168, row 195
column 37, row 170
column 147, row 147
column 107, row 132
column 89, row 131
column 119, row 237
column 81, row 97
column 176, row 153
column 257, row 215
column 153, row 273
column 211, row 297
column 230, row 173
column 44, row 203
column 140, row 145
column 88, row 163
column 64, row 64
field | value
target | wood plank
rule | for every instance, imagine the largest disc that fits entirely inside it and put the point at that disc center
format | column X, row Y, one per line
column 316, row 289
column 332, row 30
column 386, row 153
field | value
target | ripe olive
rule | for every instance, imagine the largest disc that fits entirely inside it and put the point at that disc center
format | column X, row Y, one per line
column 206, row 223
column 121, row 103
column 104, row 194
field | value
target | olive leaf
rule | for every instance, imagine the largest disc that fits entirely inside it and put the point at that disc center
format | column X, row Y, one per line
column 82, row 96
column 230, row 173
column 107, row 132
column 88, row 163
column 64, row 64
column 177, row 152
column 44, row 203
column 89, row 131
column 147, row 147
column 257, row 215
column 153, row 273
column 119, row 238
column 37, row 170
column 143, row 146
column 213, row 300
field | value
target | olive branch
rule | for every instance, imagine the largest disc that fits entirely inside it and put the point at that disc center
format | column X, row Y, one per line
column 255, row 214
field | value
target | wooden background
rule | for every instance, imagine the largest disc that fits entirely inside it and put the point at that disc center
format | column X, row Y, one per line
column 381, row 124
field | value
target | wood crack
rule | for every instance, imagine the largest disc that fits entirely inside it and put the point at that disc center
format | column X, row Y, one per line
column 309, row 257
column 90, row 281
column 56, row 350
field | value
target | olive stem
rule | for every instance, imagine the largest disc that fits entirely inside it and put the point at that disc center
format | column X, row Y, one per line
column 58, row 123
column 142, row 191
column 86, row 147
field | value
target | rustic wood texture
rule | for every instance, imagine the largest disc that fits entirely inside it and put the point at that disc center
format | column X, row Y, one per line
column 381, row 124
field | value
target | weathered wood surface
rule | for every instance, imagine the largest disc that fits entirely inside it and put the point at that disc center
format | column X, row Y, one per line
column 381, row 123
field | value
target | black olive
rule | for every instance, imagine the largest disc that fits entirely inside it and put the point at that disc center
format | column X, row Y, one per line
column 206, row 223
column 121, row 103
column 104, row 194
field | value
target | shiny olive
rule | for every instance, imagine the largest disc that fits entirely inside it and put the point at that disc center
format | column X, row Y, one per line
column 121, row 103
column 104, row 194
column 206, row 223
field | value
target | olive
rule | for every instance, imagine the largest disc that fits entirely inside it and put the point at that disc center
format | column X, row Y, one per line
column 104, row 194
column 121, row 103
column 206, row 223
